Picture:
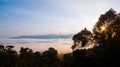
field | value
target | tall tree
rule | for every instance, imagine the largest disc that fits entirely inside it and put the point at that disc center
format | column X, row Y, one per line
column 81, row 39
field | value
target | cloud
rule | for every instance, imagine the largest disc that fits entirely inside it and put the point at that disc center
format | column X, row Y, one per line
column 13, row 41
column 49, row 36
column 62, row 45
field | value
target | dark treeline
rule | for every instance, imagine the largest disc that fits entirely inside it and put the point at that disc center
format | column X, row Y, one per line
column 28, row 58
column 99, row 48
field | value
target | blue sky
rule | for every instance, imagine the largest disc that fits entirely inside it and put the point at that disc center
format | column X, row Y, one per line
column 29, row 17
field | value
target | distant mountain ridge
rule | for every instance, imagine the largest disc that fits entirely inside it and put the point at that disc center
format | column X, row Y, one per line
column 46, row 36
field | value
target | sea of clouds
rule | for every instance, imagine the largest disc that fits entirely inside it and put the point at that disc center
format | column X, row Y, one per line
column 62, row 45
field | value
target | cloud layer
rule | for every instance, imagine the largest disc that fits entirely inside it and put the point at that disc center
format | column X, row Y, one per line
column 62, row 45
column 49, row 36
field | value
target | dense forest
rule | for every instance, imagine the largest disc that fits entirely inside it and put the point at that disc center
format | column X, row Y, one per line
column 99, row 48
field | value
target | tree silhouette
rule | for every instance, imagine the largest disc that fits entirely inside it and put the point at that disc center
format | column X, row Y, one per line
column 106, row 34
column 80, row 39
column 2, row 55
column 27, row 57
column 8, row 56
column 50, row 58
column 110, row 21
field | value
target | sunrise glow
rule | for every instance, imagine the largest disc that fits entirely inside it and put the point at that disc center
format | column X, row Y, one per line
column 103, row 28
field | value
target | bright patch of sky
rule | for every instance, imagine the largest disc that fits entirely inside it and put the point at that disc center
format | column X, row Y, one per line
column 29, row 17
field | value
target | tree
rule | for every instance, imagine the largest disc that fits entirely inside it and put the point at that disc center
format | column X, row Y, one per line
column 26, row 57
column 107, row 33
column 50, row 58
column 108, row 26
column 81, row 39
column 10, row 56
column 2, row 55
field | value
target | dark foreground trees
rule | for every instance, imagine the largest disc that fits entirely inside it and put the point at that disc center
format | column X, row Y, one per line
column 106, row 36
column 100, row 48
column 28, row 58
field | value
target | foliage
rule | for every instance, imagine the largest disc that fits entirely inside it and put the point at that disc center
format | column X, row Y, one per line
column 106, row 34
column 82, row 38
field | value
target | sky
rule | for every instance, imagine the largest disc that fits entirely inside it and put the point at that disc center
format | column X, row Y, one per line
column 30, row 17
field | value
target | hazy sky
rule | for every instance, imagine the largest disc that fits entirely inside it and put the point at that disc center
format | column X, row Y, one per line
column 29, row 17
